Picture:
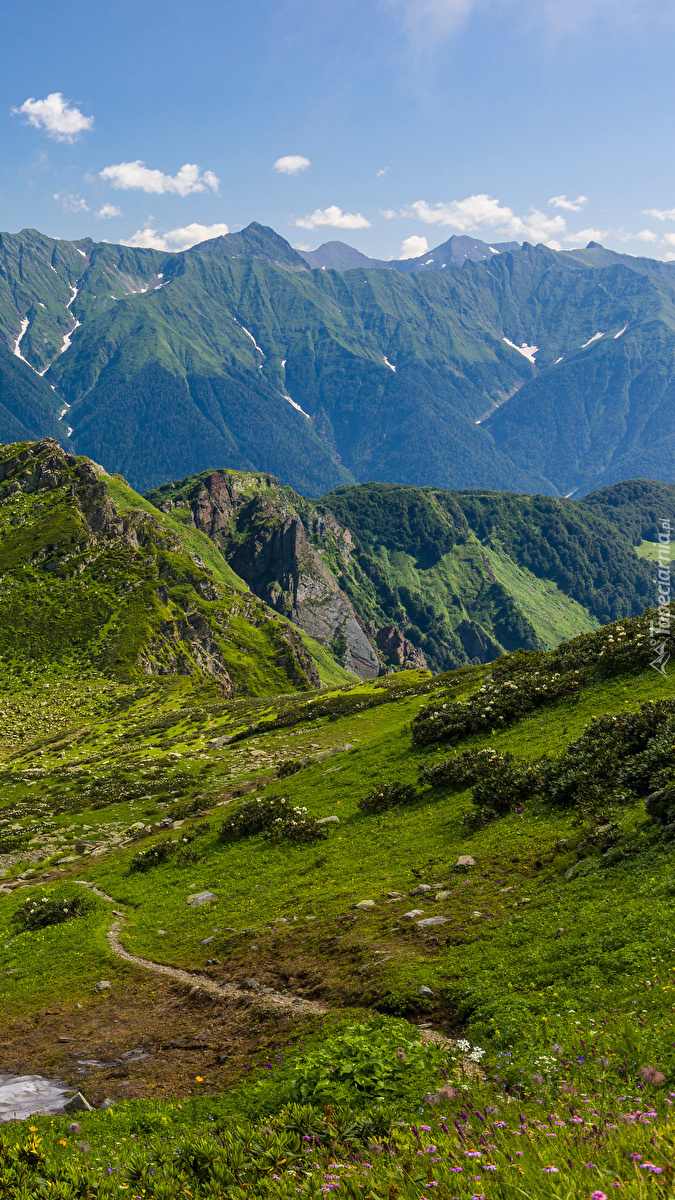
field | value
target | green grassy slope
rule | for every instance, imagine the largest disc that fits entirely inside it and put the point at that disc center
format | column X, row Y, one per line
column 93, row 579
column 555, row 957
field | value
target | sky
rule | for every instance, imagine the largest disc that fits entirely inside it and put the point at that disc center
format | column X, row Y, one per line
column 388, row 124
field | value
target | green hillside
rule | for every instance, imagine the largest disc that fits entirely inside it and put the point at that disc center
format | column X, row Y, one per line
column 94, row 580
column 235, row 352
column 547, row 963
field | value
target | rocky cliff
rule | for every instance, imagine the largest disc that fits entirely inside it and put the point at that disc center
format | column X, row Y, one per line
column 264, row 537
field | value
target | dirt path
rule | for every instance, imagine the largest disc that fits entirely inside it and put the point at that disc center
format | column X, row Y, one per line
column 202, row 983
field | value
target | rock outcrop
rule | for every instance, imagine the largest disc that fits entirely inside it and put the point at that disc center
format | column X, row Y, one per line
column 396, row 649
column 264, row 539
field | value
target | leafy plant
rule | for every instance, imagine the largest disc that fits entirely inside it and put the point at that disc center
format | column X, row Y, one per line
column 51, row 910
column 387, row 795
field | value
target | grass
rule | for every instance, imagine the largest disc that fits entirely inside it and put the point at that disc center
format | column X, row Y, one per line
column 556, row 965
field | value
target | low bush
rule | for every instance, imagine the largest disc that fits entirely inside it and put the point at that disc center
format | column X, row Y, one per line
column 500, row 780
column 51, row 910
column 274, row 816
column 523, row 682
column 161, row 852
column 387, row 795
column 380, row 1061
column 290, row 767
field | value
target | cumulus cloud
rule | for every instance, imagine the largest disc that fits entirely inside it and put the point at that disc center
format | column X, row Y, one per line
column 175, row 239
column 485, row 212
column 333, row 216
column 646, row 235
column 292, row 164
column 57, row 116
column 70, row 203
column 186, row 182
column 661, row 214
column 106, row 211
column 388, row 213
column 569, row 205
column 413, row 246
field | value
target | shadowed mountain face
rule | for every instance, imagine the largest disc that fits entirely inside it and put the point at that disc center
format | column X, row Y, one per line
column 526, row 370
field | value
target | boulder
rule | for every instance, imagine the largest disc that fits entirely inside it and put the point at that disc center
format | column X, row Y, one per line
column 77, row 1103
column 421, row 889
column 365, row 904
column 424, row 991
column 465, row 861
column 413, row 914
column 103, row 985
column 432, row 921
column 201, row 898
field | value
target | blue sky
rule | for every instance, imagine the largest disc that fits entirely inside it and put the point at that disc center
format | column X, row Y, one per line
column 160, row 123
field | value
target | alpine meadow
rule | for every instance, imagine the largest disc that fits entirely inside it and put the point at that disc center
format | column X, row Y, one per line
column 337, row 698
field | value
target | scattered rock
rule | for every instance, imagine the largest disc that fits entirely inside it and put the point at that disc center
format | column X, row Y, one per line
column 423, row 990
column 464, row 861
column 103, row 985
column 413, row 914
column 107, row 1103
column 78, row 1103
column 432, row 921
column 205, row 941
column 365, row 904
column 325, row 820
column 251, row 983
column 201, row 898
column 394, row 896
column 442, row 895
column 421, row 889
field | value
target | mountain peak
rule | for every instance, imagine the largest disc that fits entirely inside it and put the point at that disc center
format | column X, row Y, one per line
column 255, row 241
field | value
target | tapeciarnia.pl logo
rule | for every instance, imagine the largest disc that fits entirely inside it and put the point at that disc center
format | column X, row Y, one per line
column 659, row 633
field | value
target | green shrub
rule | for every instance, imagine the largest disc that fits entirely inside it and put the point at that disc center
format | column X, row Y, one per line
column 51, row 910
column 387, row 795
column 500, row 780
column 274, row 816
column 365, row 1062
column 152, row 857
column 290, row 767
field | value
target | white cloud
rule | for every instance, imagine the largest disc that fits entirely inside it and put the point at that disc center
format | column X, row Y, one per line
column 175, row 239
column 482, row 211
column 669, row 239
column 58, row 117
column 292, row 164
column 413, row 246
column 106, row 211
column 569, row 205
column 70, row 203
column 388, row 213
column 381, row 173
column 661, row 214
column 582, row 236
column 427, row 23
column 136, row 175
column 333, row 216
column 646, row 235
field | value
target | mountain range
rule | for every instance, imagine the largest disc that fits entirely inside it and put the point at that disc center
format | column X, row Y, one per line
column 510, row 367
